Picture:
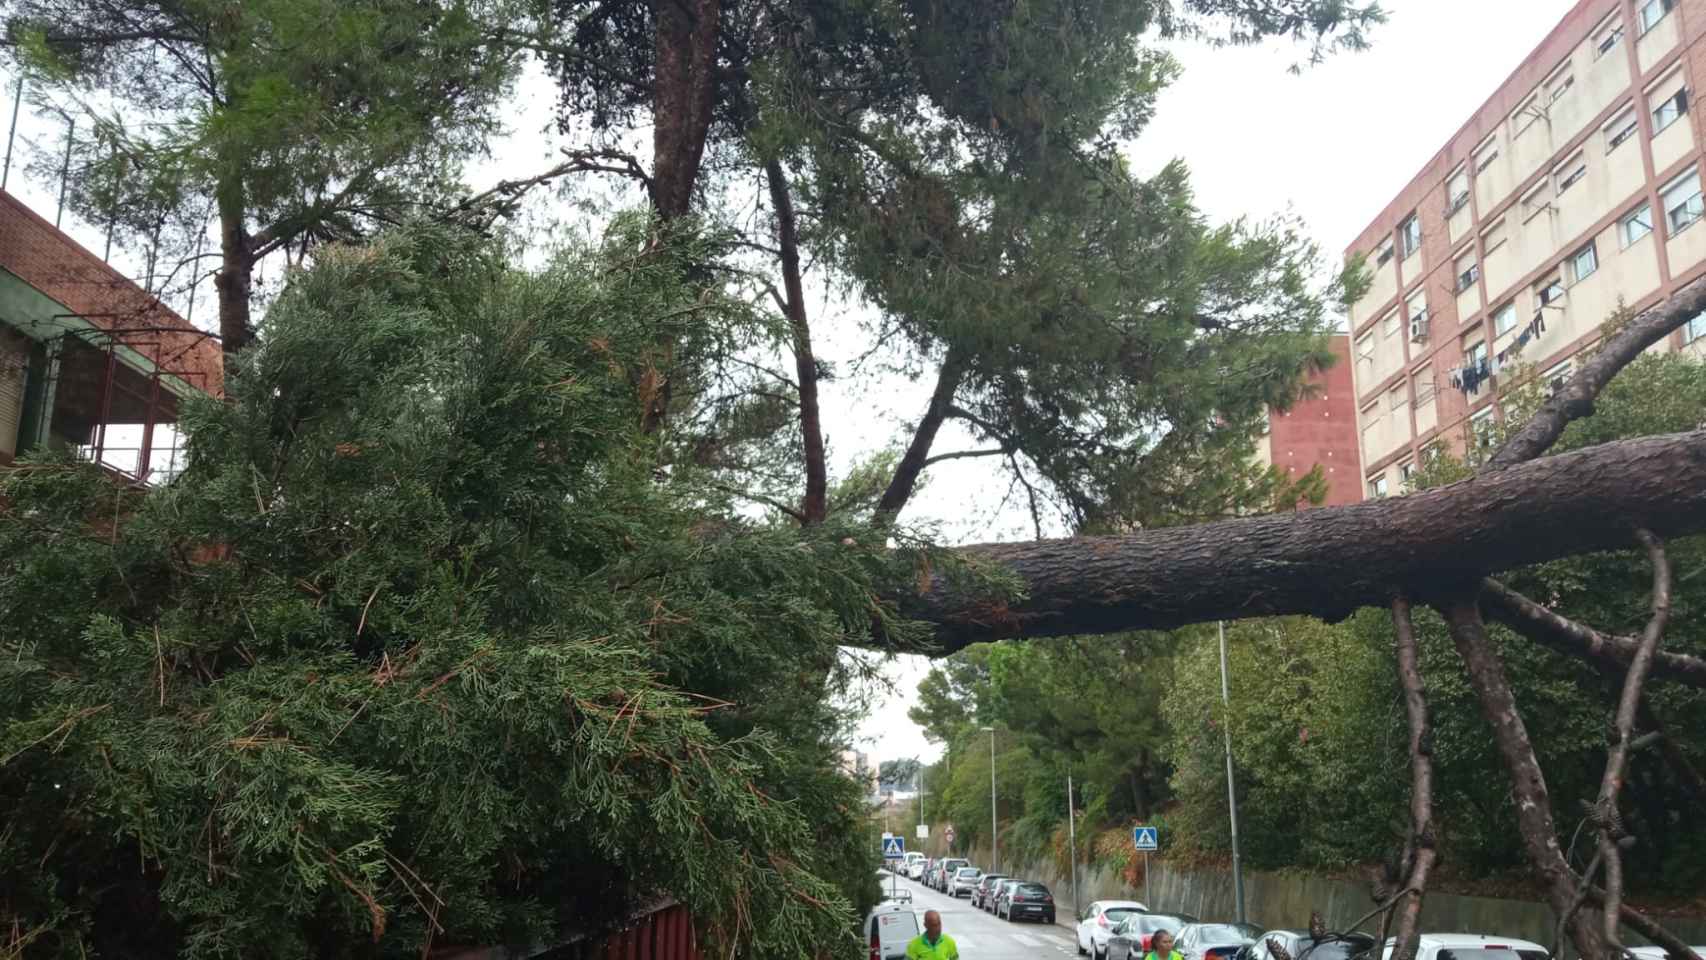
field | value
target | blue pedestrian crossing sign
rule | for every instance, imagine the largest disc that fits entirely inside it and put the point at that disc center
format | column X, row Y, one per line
column 894, row 848
column 1146, row 838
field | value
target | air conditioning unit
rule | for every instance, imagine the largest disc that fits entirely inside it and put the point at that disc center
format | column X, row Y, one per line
column 1418, row 328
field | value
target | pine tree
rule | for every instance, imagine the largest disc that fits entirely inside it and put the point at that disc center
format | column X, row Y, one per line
column 419, row 651
column 285, row 123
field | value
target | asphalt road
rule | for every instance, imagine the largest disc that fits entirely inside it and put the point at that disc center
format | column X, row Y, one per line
column 982, row 937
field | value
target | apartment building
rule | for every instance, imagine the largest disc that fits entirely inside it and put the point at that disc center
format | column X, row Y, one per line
column 1574, row 188
column 1320, row 430
column 90, row 362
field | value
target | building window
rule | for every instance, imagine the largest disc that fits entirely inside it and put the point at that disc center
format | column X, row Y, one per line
column 1652, row 12
column 1389, row 324
column 1457, row 192
column 1573, row 177
column 1695, row 329
column 1584, row 262
column 1535, row 201
column 1493, row 239
column 1468, row 271
column 1559, row 375
column 1377, row 487
column 1365, row 352
column 1635, row 224
column 1608, row 40
column 1410, row 236
column 1424, row 391
column 1384, row 253
column 1476, row 354
column 1417, row 307
column 1682, row 203
column 1485, row 156
column 1549, row 290
column 1406, row 471
column 1395, row 398
column 1667, row 113
column 1481, row 428
column 1621, row 130
column 1555, row 90
column 1504, row 319
column 1526, row 114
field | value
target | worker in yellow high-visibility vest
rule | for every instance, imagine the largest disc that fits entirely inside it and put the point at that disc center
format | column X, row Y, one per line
column 932, row 944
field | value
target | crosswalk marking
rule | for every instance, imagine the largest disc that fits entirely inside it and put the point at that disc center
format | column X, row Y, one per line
column 1028, row 940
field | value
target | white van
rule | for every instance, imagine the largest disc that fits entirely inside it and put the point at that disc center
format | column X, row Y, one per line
column 889, row 928
column 1472, row 946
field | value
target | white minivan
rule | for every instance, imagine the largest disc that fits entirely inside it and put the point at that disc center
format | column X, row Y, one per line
column 889, row 928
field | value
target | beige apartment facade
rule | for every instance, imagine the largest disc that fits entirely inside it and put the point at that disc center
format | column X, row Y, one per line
column 1575, row 188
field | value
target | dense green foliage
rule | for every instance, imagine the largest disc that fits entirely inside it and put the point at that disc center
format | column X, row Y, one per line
column 1318, row 728
column 420, row 650
column 283, row 123
column 960, row 169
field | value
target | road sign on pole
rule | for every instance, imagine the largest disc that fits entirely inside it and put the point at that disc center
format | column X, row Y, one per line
column 1146, row 838
column 924, row 831
column 894, row 848
column 949, row 833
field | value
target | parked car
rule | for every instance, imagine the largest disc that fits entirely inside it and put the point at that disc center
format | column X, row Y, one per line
column 985, row 889
column 889, row 928
column 964, row 882
column 1131, row 938
column 915, row 867
column 1475, row 946
column 1026, row 900
column 1096, row 924
column 1658, row 953
column 946, row 869
column 1214, row 941
column 992, row 899
column 1301, row 946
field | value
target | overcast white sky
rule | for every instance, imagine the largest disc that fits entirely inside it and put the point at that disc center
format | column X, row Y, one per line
column 1327, row 146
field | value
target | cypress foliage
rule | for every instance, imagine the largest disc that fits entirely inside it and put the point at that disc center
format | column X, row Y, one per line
column 421, row 650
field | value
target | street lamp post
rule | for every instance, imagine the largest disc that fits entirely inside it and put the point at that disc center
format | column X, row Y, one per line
column 1231, row 786
column 994, row 823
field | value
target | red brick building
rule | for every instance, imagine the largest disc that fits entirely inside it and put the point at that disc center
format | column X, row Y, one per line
column 1321, row 430
column 89, row 361
column 1574, row 188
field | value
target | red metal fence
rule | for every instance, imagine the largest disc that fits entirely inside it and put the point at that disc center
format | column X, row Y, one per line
column 663, row 934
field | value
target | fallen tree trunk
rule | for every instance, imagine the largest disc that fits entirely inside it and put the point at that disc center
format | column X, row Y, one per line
column 1330, row 562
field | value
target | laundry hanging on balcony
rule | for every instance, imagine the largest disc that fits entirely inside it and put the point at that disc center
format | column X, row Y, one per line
column 1533, row 330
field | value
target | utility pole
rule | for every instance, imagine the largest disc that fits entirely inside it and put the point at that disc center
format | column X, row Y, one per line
column 994, row 825
column 1231, row 785
column 1072, row 842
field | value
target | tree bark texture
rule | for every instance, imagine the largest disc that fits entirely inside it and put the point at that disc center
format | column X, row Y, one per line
column 682, row 97
column 906, row 473
column 1576, row 399
column 1332, row 561
column 235, row 279
column 1422, row 846
column 1528, row 784
column 683, row 92
column 1549, row 629
column 815, row 505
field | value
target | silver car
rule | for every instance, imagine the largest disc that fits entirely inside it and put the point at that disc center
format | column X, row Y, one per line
column 964, row 881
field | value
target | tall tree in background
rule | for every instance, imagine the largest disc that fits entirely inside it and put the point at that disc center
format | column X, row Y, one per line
column 286, row 123
column 958, row 166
